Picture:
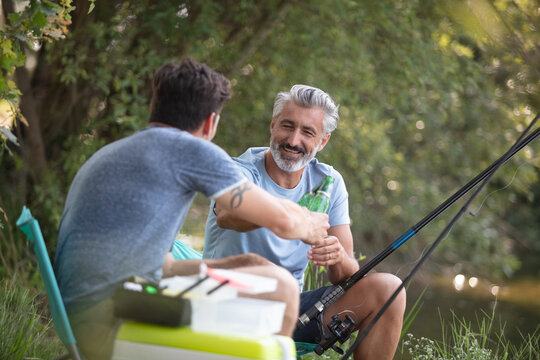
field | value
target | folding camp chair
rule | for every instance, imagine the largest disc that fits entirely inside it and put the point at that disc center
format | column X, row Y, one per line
column 143, row 341
column 31, row 229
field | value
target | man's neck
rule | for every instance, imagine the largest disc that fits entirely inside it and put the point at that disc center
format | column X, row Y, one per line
column 157, row 123
column 285, row 179
column 197, row 133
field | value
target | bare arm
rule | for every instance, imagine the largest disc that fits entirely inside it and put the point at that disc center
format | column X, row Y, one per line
column 172, row 267
column 337, row 253
column 227, row 220
column 281, row 216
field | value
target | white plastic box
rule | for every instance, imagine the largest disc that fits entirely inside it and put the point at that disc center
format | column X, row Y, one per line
column 237, row 316
column 222, row 311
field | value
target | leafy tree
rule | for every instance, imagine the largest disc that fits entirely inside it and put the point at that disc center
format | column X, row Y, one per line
column 422, row 109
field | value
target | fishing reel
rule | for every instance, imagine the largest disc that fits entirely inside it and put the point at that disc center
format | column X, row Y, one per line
column 340, row 330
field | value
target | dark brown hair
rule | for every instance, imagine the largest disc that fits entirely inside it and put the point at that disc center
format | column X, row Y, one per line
column 185, row 93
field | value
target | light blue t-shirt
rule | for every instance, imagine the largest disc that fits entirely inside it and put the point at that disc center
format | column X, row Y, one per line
column 127, row 203
column 291, row 254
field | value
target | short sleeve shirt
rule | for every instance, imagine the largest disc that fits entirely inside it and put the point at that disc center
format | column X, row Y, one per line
column 127, row 203
column 291, row 254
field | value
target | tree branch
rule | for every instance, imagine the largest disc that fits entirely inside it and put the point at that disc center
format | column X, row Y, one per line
column 265, row 26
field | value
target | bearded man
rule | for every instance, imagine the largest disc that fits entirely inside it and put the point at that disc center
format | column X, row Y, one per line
column 302, row 122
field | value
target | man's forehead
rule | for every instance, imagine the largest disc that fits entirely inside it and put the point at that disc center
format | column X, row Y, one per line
column 292, row 112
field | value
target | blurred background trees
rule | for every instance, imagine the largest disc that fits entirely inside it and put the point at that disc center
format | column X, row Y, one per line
column 430, row 94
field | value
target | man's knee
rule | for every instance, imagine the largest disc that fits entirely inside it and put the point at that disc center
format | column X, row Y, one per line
column 387, row 284
column 250, row 259
column 287, row 288
column 380, row 286
column 286, row 281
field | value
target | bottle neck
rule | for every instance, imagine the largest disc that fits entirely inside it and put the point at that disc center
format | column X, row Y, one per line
column 326, row 185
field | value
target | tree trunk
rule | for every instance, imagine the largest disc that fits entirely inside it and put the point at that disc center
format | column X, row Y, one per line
column 35, row 150
column 32, row 146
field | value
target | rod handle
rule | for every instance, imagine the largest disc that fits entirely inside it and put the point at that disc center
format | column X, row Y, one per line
column 319, row 306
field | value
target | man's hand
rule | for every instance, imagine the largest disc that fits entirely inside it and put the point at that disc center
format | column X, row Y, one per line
column 336, row 252
column 328, row 252
column 318, row 227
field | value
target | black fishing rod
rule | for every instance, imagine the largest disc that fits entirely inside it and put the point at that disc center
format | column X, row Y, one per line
column 340, row 289
column 517, row 145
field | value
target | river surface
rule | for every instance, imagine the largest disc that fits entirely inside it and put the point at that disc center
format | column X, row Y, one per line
column 514, row 306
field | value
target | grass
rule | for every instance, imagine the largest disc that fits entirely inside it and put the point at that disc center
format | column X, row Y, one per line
column 462, row 340
column 26, row 327
column 27, row 331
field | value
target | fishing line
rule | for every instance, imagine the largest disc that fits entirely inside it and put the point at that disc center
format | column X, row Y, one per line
column 475, row 212
column 413, row 262
column 517, row 144
column 340, row 289
column 350, row 311
column 419, row 258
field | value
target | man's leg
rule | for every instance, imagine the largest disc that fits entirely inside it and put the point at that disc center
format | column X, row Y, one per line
column 287, row 291
column 95, row 330
column 362, row 302
column 311, row 333
column 287, row 287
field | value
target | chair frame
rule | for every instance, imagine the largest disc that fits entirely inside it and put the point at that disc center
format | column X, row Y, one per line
column 30, row 226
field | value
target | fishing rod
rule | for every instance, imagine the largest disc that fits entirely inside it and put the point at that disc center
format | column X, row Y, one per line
column 340, row 289
column 442, row 235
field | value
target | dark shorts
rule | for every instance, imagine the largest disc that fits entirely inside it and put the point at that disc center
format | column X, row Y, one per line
column 95, row 330
column 311, row 333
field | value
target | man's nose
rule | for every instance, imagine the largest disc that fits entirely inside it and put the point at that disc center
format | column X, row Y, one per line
column 295, row 138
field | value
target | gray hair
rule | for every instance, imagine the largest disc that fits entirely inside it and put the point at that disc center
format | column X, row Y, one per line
column 309, row 96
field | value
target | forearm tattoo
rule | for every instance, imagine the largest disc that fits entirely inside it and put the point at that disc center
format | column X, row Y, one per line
column 237, row 195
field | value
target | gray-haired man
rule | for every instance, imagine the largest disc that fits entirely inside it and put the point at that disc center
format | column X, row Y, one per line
column 302, row 122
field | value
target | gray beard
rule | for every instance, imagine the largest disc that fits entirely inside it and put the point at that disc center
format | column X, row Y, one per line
column 290, row 165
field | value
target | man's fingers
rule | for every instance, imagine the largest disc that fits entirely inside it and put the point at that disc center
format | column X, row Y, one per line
column 326, row 253
column 328, row 241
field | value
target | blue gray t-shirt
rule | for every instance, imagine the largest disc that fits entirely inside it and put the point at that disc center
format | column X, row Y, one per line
column 127, row 203
column 291, row 254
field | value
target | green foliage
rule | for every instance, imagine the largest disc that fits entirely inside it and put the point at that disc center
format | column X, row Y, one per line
column 26, row 331
column 14, row 253
column 315, row 277
column 463, row 341
column 39, row 21
column 411, row 314
column 424, row 105
column 430, row 94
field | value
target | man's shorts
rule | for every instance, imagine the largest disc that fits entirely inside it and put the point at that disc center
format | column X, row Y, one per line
column 95, row 330
column 311, row 333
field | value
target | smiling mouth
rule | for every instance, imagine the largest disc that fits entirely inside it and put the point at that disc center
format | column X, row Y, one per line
column 292, row 150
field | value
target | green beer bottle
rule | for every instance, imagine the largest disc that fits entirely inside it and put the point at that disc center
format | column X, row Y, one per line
column 318, row 198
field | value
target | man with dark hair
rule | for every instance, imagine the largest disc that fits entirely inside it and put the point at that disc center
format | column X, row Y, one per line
column 302, row 122
column 129, row 200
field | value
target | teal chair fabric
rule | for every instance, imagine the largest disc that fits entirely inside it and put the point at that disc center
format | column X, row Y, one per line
column 304, row 348
column 31, row 229
column 181, row 251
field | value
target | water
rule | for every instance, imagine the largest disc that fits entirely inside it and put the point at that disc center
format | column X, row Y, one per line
column 514, row 306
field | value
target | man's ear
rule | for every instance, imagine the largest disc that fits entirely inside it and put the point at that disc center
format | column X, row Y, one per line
column 272, row 123
column 208, row 124
column 324, row 141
